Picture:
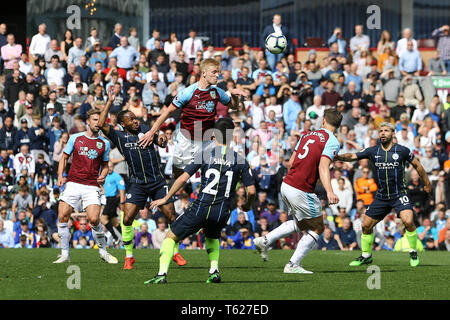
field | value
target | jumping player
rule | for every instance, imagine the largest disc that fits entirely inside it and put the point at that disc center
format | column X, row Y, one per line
column 389, row 160
column 146, row 179
column 90, row 155
column 312, row 158
column 221, row 169
column 198, row 104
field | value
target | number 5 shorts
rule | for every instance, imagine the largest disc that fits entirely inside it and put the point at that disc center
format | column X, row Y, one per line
column 302, row 205
column 187, row 150
column 74, row 192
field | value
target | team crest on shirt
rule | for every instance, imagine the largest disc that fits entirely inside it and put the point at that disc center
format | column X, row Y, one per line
column 212, row 94
column 92, row 154
column 99, row 145
column 395, row 156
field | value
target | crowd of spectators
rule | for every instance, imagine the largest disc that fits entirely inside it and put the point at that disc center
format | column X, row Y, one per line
column 45, row 93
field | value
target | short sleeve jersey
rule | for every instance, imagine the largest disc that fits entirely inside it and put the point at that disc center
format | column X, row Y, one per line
column 311, row 147
column 143, row 164
column 198, row 106
column 221, row 169
column 89, row 153
column 390, row 169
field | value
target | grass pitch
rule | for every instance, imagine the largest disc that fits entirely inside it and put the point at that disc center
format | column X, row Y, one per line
column 30, row 274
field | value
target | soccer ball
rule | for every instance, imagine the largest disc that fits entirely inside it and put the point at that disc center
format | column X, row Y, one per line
column 276, row 43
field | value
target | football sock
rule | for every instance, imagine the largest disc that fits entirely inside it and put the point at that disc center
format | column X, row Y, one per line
column 127, row 239
column 306, row 243
column 99, row 236
column 175, row 250
column 165, row 255
column 282, row 231
column 213, row 250
column 366, row 244
column 64, row 237
column 412, row 239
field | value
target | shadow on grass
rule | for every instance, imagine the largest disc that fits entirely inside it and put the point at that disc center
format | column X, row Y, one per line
column 352, row 271
column 239, row 281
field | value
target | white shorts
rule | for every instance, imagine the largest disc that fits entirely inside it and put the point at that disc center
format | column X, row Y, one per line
column 302, row 205
column 186, row 149
column 74, row 192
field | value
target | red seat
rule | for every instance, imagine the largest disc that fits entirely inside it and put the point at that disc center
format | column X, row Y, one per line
column 426, row 43
column 235, row 42
column 314, row 42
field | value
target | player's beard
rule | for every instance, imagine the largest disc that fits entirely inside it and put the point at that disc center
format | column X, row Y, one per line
column 387, row 142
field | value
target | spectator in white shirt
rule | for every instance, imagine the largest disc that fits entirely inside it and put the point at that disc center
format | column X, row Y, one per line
column 405, row 138
column 170, row 46
column 39, row 43
column 345, row 198
column 419, row 113
column 24, row 66
column 24, row 159
column 274, row 106
column 256, row 110
column 402, row 44
column 315, row 113
column 55, row 74
column 191, row 45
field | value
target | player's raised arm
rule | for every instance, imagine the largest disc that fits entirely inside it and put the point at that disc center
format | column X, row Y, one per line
column 104, row 114
column 421, row 171
column 150, row 135
column 324, row 172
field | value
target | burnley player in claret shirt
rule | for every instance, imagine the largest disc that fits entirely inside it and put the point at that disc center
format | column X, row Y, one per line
column 198, row 104
column 90, row 156
column 311, row 160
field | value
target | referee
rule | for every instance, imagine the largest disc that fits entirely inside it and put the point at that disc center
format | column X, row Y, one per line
column 115, row 195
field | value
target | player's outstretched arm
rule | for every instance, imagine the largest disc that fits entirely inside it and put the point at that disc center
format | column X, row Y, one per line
column 421, row 171
column 346, row 157
column 104, row 115
column 325, row 177
column 148, row 137
column 103, row 173
column 177, row 185
column 235, row 95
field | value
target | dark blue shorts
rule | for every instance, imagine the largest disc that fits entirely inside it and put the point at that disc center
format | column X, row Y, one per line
column 138, row 193
column 379, row 209
column 211, row 219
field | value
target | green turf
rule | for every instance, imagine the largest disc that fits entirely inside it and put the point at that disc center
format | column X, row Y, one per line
column 29, row 274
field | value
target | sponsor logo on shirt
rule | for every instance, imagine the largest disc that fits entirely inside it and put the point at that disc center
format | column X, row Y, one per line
column 387, row 165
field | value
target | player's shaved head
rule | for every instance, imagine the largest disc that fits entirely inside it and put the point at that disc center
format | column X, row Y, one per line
column 127, row 119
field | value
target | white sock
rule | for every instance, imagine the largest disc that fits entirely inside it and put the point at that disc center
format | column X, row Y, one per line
column 64, row 238
column 305, row 245
column 99, row 236
column 282, row 231
column 212, row 270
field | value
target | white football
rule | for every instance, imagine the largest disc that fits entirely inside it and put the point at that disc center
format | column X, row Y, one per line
column 276, row 43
